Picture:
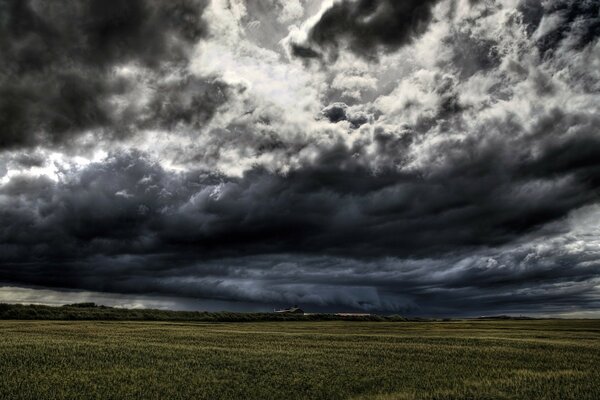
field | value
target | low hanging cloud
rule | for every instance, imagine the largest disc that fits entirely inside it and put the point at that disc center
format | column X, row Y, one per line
column 126, row 225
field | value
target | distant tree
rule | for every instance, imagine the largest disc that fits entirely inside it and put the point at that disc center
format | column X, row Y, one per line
column 82, row 305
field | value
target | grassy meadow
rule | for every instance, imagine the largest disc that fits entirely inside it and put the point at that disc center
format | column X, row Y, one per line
column 538, row 359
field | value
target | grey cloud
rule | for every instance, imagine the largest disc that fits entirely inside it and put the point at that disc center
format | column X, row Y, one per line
column 350, row 198
column 472, row 54
column 190, row 102
column 30, row 159
column 266, row 22
column 337, row 112
column 532, row 12
column 301, row 51
column 574, row 24
column 58, row 61
column 511, row 279
column 127, row 225
column 368, row 26
column 449, row 191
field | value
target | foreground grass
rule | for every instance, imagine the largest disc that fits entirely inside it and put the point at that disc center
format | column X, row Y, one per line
column 300, row 360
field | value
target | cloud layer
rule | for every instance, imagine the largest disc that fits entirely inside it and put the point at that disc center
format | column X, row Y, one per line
column 439, row 157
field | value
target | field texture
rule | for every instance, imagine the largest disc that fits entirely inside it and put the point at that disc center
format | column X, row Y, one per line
column 300, row 360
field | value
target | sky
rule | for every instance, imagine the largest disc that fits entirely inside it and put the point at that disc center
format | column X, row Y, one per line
column 413, row 157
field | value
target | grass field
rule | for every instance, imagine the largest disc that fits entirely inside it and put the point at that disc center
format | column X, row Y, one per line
column 300, row 360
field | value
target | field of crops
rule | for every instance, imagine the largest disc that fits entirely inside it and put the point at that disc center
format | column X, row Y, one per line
column 300, row 360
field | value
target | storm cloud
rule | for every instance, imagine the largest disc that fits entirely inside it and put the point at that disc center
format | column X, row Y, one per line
column 367, row 26
column 63, row 63
column 440, row 159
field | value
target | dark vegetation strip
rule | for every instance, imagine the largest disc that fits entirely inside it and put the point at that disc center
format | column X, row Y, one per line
column 91, row 311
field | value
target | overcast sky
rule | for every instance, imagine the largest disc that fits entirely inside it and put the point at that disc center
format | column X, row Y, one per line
column 419, row 157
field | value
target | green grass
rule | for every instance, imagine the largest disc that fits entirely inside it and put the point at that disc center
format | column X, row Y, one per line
column 538, row 359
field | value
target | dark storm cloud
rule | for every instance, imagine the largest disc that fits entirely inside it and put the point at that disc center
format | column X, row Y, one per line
column 532, row 12
column 301, row 51
column 28, row 160
column 514, row 281
column 575, row 23
column 127, row 225
column 471, row 54
column 368, row 26
column 57, row 60
column 337, row 112
column 452, row 192
column 189, row 101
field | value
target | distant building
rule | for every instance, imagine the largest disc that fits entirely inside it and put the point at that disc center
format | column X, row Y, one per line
column 291, row 310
